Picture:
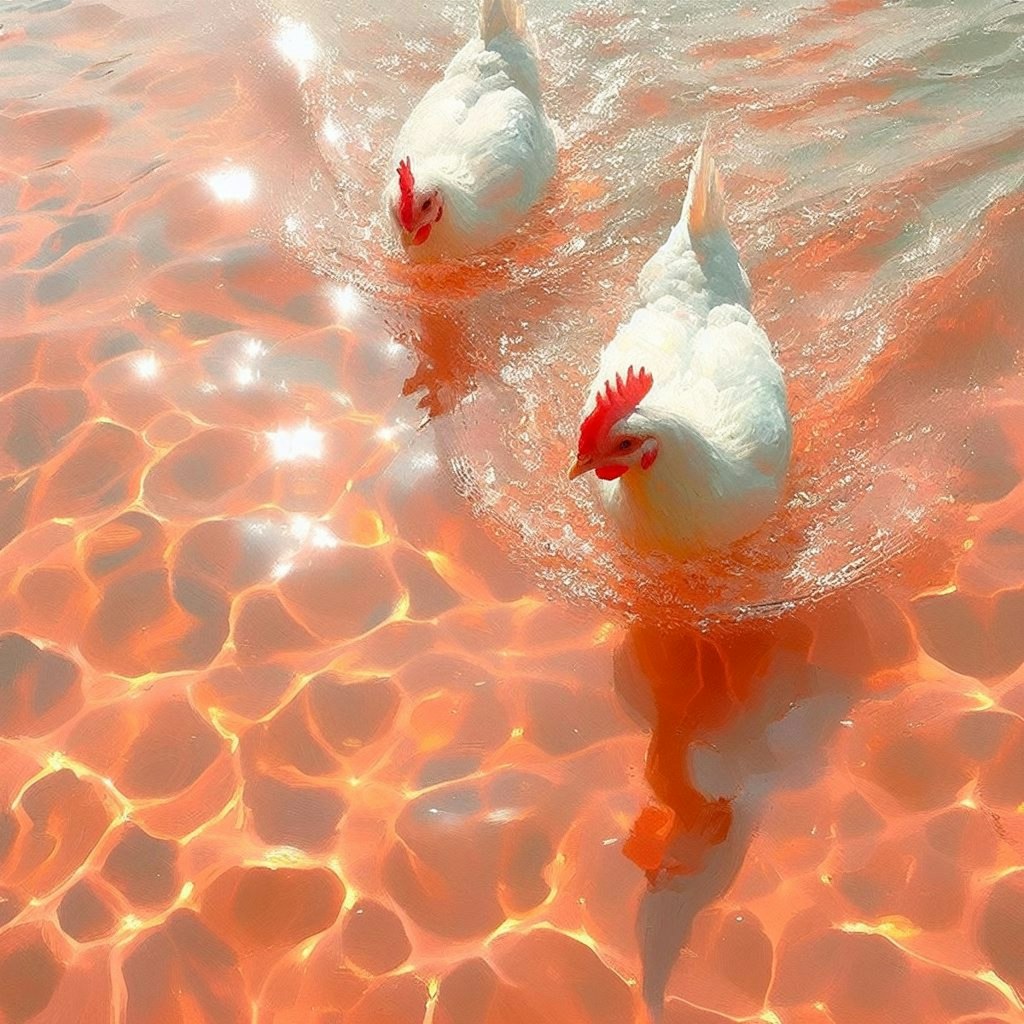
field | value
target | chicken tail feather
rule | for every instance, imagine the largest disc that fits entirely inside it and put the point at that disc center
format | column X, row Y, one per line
column 497, row 16
column 705, row 200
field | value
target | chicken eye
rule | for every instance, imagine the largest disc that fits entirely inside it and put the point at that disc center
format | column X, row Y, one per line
column 426, row 204
column 626, row 445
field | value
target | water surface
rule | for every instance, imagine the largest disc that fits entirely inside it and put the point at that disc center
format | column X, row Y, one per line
column 324, row 696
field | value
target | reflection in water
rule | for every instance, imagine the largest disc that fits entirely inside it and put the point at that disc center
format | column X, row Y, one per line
column 735, row 722
column 288, row 731
column 447, row 362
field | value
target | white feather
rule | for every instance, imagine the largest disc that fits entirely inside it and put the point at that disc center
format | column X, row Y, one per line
column 718, row 402
column 480, row 137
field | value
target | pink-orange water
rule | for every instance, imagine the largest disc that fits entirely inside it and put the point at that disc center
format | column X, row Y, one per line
column 324, row 699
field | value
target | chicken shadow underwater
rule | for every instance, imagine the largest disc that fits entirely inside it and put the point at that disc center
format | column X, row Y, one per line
column 448, row 362
column 736, row 720
column 455, row 319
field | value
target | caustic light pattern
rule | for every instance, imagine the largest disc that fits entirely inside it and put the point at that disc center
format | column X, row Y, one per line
column 289, row 735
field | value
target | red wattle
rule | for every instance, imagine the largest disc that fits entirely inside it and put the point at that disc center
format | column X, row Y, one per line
column 610, row 472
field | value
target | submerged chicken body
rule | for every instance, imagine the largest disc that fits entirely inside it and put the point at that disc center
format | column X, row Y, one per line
column 687, row 427
column 477, row 151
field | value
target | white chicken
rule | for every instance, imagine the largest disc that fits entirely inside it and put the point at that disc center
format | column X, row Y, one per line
column 687, row 427
column 477, row 151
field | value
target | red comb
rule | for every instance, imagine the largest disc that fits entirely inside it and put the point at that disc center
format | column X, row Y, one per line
column 405, row 183
column 612, row 406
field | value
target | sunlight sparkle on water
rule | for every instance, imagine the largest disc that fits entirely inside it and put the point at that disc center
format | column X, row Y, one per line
column 246, row 375
column 303, row 529
column 332, row 133
column 291, row 444
column 345, row 300
column 390, row 432
column 323, row 539
column 147, row 366
column 387, row 433
column 232, row 184
column 300, row 527
column 297, row 44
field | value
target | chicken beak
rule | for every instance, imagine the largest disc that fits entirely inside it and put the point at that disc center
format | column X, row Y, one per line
column 579, row 467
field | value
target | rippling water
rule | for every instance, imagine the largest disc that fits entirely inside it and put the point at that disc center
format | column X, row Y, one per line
column 325, row 698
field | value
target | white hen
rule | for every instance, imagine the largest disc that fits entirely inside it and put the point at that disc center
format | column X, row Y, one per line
column 687, row 428
column 477, row 151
